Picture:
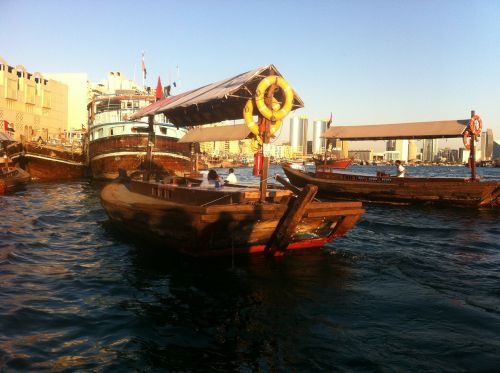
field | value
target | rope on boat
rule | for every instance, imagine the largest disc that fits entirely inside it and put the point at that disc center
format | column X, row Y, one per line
column 215, row 200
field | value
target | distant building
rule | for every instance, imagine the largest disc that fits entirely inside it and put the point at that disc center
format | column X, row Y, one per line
column 448, row 155
column 400, row 146
column 392, row 156
column 318, row 143
column 34, row 105
column 412, row 150
column 496, row 149
column 487, row 145
column 298, row 135
column 361, row 155
column 430, row 150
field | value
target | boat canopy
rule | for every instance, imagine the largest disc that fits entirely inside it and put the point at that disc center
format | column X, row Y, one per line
column 219, row 133
column 216, row 102
column 417, row 130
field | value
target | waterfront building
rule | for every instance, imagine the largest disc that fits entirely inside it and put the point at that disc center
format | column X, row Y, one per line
column 77, row 84
column 34, row 105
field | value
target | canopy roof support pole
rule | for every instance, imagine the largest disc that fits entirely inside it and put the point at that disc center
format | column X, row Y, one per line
column 472, row 156
column 149, row 151
column 265, row 161
column 265, row 140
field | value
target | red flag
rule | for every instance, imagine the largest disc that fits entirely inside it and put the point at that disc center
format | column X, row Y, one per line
column 5, row 125
column 144, row 72
column 159, row 90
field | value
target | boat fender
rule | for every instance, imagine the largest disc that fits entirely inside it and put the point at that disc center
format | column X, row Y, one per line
column 254, row 127
column 467, row 140
column 476, row 125
column 271, row 113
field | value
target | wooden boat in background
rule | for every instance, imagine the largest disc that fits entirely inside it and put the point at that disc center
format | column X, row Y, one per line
column 397, row 190
column 48, row 162
column 115, row 142
column 12, row 179
column 381, row 188
column 342, row 163
column 206, row 221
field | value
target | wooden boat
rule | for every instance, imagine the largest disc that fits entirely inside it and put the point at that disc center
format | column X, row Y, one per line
column 47, row 162
column 12, row 179
column 115, row 142
column 342, row 163
column 384, row 188
column 222, row 221
column 391, row 189
column 230, row 220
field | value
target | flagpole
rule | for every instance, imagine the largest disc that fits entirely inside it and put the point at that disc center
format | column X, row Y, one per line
column 143, row 72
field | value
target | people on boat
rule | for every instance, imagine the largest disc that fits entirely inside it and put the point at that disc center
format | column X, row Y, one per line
column 214, row 179
column 231, row 177
column 401, row 170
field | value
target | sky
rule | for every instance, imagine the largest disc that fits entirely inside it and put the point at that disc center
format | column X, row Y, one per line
column 367, row 62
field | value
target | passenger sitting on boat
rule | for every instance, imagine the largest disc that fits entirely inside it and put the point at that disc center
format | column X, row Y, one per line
column 231, row 177
column 214, row 178
column 400, row 168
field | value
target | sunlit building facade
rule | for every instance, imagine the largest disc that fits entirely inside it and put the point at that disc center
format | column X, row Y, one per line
column 34, row 105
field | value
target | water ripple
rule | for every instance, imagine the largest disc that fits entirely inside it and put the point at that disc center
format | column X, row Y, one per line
column 408, row 289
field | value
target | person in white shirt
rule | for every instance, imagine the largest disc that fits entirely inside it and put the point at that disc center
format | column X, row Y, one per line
column 231, row 177
column 400, row 168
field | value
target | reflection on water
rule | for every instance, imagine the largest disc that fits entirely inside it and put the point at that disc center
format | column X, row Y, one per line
column 409, row 288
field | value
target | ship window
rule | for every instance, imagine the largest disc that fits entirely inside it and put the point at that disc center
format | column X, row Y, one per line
column 163, row 130
column 129, row 104
column 111, row 131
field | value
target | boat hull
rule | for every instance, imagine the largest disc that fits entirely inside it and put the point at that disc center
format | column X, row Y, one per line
column 12, row 179
column 394, row 190
column 110, row 154
column 48, row 163
column 240, row 227
column 334, row 163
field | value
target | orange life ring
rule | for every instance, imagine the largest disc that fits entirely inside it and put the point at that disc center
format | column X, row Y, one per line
column 476, row 125
column 467, row 139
